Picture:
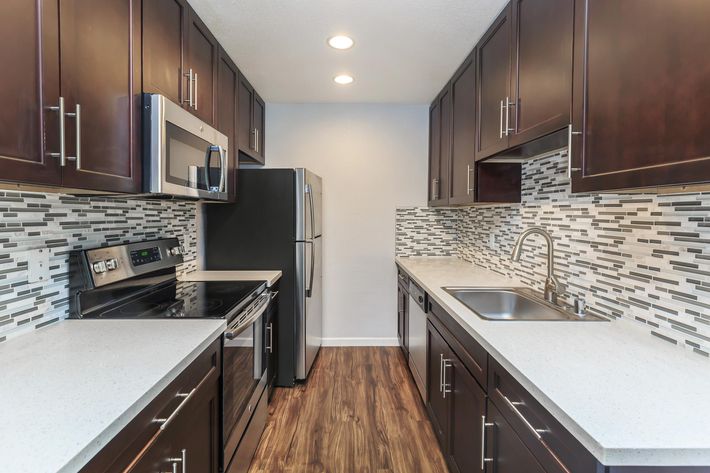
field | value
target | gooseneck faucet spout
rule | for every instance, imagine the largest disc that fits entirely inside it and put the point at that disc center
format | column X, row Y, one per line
column 552, row 286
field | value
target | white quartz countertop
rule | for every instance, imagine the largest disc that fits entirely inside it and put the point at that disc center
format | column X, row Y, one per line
column 271, row 277
column 629, row 398
column 68, row 389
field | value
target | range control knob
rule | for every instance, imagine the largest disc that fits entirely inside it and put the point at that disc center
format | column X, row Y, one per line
column 99, row 267
column 111, row 264
column 176, row 250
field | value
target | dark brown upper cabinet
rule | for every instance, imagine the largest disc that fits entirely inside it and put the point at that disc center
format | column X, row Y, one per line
column 29, row 130
column 252, row 117
column 101, row 85
column 202, row 52
column 226, row 104
column 440, row 147
column 164, row 26
column 78, row 128
column 541, row 81
column 493, row 67
column 463, row 136
column 640, row 100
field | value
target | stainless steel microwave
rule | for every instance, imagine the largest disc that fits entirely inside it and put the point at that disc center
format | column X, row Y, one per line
column 183, row 157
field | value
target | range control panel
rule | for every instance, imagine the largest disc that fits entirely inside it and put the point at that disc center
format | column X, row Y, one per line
column 120, row 262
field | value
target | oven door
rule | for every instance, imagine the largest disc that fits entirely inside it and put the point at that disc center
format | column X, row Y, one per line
column 243, row 375
column 188, row 158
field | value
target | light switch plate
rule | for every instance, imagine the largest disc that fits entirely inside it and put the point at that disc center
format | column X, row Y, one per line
column 38, row 265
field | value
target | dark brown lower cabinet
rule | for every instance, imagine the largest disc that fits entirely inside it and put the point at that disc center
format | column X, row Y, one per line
column 178, row 431
column 402, row 316
column 505, row 452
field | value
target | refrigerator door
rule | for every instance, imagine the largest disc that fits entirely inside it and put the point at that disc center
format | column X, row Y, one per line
column 310, row 317
column 308, row 205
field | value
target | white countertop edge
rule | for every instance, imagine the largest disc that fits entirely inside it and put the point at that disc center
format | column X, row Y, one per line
column 270, row 276
column 94, row 447
column 606, row 456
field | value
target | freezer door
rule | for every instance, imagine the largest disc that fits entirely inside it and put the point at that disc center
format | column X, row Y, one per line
column 314, row 189
column 310, row 309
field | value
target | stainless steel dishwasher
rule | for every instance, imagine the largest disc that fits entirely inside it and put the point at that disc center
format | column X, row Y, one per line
column 417, row 336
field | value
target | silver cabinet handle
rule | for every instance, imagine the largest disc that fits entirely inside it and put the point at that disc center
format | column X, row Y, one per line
column 435, row 189
column 77, row 118
column 165, row 422
column 189, row 87
column 469, row 168
column 62, row 155
column 570, row 134
column 441, row 372
column 252, row 139
column 500, row 128
column 182, row 459
column 508, row 104
column 514, row 406
column 484, row 424
column 445, row 385
column 270, row 346
column 195, row 82
column 258, row 141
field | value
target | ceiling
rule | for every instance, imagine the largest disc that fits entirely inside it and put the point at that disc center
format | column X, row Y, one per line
column 405, row 50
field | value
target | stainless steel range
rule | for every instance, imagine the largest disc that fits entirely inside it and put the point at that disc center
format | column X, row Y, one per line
column 138, row 281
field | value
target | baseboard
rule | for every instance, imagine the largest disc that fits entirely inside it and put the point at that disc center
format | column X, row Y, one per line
column 360, row 342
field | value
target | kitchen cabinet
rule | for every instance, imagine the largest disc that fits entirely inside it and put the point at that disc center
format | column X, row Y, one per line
column 463, row 136
column 440, row 147
column 271, row 345
column 71, row 108
column 178, row 431
column 29, row 131
column 640, row 100
column 541, row 79
column 202, row 51
column 437, row 352
column 493, row 70
column 252, row 121
column 164, row 26
column 403, row 312
column 505, row 452
column 226, row 104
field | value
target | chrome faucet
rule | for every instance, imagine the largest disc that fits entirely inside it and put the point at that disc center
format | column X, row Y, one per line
column 553, row 288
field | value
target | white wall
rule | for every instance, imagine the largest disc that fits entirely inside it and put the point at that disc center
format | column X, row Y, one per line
column 372, row 158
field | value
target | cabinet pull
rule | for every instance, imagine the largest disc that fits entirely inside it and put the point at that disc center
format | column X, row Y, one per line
column 484, row 424
column 270, row 347
column 256, row 141
column 441, row 372
column 468, row 179
column 182, row 459
column 508, row 104
column 62, row 141
column 195, row 82
column 252, row 139
column 189, row 87
column 570, row 134
column 446, row 363
column 77, row 118
column 500, row 128
column 186, row 397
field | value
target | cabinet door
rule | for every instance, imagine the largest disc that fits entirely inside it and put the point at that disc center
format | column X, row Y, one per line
column 246, row 136
column 507, row 452
column 164, row 26
column 493, row 84
column 463, row 136
column 640, row 105
column 402, row 316
column 440, row 148
column 226, row 103
column 29, row 132
column 434, row 150
column 101, row 84
column 272, row 337
column 467, row 404
column 202, row 52
column 437, row 403
column 259, row 108
column 542, row 68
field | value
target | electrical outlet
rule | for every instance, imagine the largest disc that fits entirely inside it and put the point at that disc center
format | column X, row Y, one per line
column 38, row 265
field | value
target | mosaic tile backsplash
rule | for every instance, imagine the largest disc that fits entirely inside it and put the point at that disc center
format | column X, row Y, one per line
column 58, row 224
column 641, row 256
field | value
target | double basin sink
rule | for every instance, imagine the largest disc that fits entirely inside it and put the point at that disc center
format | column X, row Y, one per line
column 514, row 304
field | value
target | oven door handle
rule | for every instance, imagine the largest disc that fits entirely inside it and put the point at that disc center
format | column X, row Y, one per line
column 208, row 159
column 234, row 330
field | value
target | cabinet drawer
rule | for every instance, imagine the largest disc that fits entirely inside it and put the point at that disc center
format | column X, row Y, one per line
column 472, row 354
column 553, row 446
column 139, row 441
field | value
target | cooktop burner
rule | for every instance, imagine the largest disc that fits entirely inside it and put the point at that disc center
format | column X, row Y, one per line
column 180, row 299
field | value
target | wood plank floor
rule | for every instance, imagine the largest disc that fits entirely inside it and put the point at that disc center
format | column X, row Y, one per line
column 359, row 412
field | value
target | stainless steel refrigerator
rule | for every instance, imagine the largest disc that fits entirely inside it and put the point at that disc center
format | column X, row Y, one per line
column 275, row 224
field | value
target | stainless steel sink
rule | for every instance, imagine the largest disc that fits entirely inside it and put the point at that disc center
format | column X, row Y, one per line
column 512, row 304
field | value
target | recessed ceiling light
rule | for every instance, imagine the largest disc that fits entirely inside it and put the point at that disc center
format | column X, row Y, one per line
column 341, row 42
column 343, row 79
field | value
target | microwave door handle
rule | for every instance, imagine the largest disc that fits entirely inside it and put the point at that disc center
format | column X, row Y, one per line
column 222, row 169
column 208, row 158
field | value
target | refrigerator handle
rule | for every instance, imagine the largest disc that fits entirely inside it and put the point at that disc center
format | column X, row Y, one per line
column 309, row 191
column 309, row 290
